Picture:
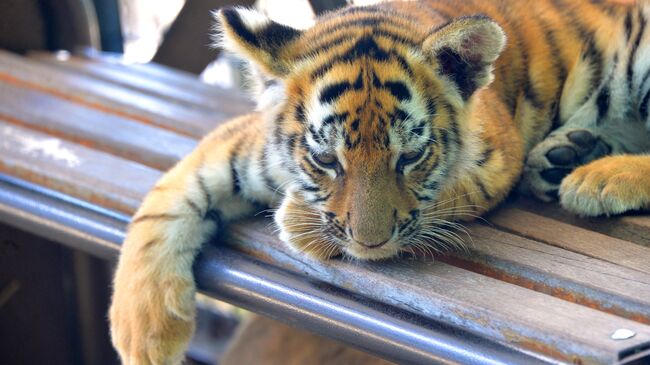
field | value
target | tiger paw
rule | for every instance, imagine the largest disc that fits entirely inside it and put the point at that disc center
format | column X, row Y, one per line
column 152, row 322
column 557, row 156
column 611, row 185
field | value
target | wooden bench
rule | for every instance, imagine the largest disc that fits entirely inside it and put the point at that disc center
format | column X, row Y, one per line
column 82, row 140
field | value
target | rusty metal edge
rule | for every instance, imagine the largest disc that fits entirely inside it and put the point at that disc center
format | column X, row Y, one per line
column 227, row 274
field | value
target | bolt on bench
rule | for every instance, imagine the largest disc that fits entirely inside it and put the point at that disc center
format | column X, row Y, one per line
column 83, row 139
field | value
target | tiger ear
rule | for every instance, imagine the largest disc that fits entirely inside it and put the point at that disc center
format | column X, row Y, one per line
column 254, row 36
column 465, row 50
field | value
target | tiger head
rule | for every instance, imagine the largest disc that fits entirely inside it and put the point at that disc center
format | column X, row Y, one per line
column 368, row 121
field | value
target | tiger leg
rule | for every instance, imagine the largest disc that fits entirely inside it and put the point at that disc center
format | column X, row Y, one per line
column 576, row 144
column 610, row 185
column 152, row 311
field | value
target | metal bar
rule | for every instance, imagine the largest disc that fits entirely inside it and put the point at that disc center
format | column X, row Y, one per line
column 225, row 273
column 393, row 334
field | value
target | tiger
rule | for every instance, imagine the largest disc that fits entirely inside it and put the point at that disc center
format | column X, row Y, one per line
column 384, row 127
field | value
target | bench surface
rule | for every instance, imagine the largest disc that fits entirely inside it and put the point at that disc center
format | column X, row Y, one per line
column 82, row 140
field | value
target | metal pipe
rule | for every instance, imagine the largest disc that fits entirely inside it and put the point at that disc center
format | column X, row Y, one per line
column 227, row 274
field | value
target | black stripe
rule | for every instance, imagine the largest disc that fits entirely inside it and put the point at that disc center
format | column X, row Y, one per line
column 299, row 113
column 235, row 22
column 274, row 35
column 337, row 41
column 332, row 92
column 381, row 27
column 420, row 128
column 551, row 39
column 234, row 173
column 215, row 215
column 399, row 90
column 432, row 186
column 335, row 118
column 355, row 124
column 320, row 199
column 602, row 101
column 270, row 37
column 645, row 78
column 398, row 114
column 643, row 110
column 590, row 51
column 277, row 128
column 421, row 198
column 485, row 156
column 351, row 144
column 431, row 107
column 637, row 41
column 364, row 47
column 291, row 141
column 483, row 189
column 320, row 172
column 628, row 25
column 193, row 206
column 425, row 167
column 306, row 187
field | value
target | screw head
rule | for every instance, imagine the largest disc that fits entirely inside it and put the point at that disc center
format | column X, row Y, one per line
column 623, row 334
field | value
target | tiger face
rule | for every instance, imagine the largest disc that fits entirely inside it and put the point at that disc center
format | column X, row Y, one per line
column 369, row 127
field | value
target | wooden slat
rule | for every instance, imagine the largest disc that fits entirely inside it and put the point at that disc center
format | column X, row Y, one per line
column 576, row 239
column 629, row 227
column 516, row 315
column 93, row 128
column 555, row 271
column 82, row 172
column 109, row 97
column 177, row 92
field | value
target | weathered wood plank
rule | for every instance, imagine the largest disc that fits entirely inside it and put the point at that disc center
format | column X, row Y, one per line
column 629, row 227
column 555, row 271
column 231, row 102
column 109, row 97
column 82, row 172
column 151, row 146
column 572, row 238
column 541, row 323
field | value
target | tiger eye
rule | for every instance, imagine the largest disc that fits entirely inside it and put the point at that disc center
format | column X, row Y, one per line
column 408, row 158
column 326, row 160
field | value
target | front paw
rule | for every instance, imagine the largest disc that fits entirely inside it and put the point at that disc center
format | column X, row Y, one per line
column 152, row 322
column 611, row 185
column 556, row 157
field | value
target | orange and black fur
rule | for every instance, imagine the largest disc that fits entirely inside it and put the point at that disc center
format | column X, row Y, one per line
column 384, row 126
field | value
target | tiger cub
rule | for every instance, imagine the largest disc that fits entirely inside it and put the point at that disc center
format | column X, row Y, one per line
column 387, row 124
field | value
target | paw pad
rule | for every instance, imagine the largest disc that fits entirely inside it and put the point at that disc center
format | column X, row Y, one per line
column 561, row 155
column 582, row 138
column 557, row 156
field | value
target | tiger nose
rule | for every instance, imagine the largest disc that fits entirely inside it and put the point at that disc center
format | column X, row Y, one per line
column 370, row 239
column 371, row 245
